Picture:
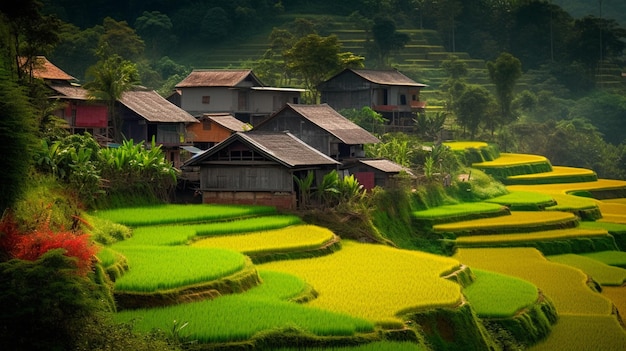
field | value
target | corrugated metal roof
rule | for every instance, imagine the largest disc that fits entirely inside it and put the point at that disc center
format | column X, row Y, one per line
column 217, row 78
column 155, row 108
column 281, row 147
column 386, row 77
column 330, row 120
column 228, row 121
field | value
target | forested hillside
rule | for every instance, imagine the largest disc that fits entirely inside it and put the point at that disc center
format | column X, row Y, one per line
column 564, row 87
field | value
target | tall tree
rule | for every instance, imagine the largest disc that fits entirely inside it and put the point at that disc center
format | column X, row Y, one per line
column 504, row 73
column 108, row 80
column 17, row 130
column 595, row 39
column 473, row 108
column 386, row 40
column 121, row 40
column 156, row 28
column 315, row 58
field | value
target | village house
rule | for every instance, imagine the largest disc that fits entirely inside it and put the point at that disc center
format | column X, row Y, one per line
column 145, row 114
column 321, row 127
column 392, row 94
column 148, row 116
column 214, row 128
column 375, row 172
column 258, row 168
column 235, row 91
column 81, row 113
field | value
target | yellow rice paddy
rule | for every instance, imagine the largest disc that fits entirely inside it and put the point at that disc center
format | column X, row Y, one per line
column 526, row 237
column 375, row 281
column 564, row 285
column 295, row 237
column 515, row 219
column 510, row 159
column 462, row 145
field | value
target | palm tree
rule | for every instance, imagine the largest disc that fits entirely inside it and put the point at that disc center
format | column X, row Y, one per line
column 109, row 79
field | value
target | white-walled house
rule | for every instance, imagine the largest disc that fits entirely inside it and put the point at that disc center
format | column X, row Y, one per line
column 235, row 91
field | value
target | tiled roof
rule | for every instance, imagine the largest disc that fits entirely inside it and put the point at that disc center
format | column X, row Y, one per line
column 330, row 120
column 217, row 78
column 44, row 69
column 228, row 121
column 387, row 77
column 155, row 108
column 281, row 147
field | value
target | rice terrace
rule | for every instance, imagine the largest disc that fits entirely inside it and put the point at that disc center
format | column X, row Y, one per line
column 542, row 267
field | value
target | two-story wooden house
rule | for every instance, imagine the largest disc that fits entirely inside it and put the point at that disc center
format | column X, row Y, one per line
column 81, row 113
column 321, row 127
column 235, row 91
column 146, row 115
column 388, row 92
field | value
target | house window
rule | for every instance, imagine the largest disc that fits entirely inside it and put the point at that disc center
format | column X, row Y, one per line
column 206, row 99
column 206, row 124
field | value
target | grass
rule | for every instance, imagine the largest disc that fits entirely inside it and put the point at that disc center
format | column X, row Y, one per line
column 600, row 272
column 376, row 282
column 583, row 333
column 292, row 238
column 175, row 213
column 564, row 285
column 494, row 295
column 158, row 268
column 241, row 316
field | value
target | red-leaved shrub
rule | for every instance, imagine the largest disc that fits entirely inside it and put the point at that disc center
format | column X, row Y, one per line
column 31, row 246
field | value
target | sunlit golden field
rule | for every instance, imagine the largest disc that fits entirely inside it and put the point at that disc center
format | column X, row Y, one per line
column 375, row 281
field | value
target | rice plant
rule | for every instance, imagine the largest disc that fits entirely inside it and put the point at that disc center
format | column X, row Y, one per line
column 517, row 221
column 241, row 316
column 600, row 272
column 564, row 285
column 559, row 174
column 180, row 234
column 612, row 258
column 524, row 200
column 461, row 210
column 157, row 268
column 494, row 295
column 376, row 282
column 176, row 213
column 292, row 238
column 582, row 333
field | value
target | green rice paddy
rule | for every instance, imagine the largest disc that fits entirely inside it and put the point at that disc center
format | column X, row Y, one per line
column 600, row 272
column 524, row 200
column 494, row 295
column 174, row 213
column 158, row 268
